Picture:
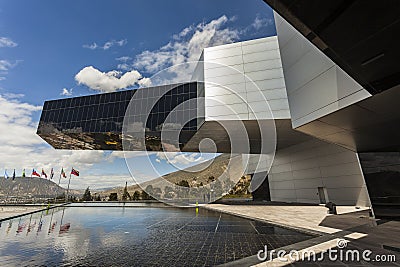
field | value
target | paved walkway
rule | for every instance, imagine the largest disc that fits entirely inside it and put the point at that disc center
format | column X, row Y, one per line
column 13, row 211
column 354, row 226
column 306, row 218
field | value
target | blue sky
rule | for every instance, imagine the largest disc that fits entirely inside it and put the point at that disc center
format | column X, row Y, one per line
column 45, row 44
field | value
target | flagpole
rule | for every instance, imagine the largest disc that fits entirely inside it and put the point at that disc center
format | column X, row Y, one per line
column 66, row 197
column 58, row 189
column 51, row 220
column 62, row 217
column 17, row 200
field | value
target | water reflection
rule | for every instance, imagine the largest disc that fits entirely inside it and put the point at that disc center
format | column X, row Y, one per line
column 134, row 236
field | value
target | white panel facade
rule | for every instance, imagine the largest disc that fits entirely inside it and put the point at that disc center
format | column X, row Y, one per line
column 315, row 85
column 241, row 77
column 299, row 170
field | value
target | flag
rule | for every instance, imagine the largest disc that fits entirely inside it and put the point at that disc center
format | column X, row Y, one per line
column 51, row 173
column 74, row 172
column 64, row 228
column 35, row 173
column 44, row 174
column 5, row 174
column 63, row 173
column 23, row 173
column 13, row 175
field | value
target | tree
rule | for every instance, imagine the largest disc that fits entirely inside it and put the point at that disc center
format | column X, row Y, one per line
column 87, row 196
column 113, row 197
column 136, row 195
column 125, row 194
column 148, row 192
column 98, row 198
column 183, row 183
column 146, row 196
column 149, row 189
column 157, row 192
column 169, row 192
column 62, row 196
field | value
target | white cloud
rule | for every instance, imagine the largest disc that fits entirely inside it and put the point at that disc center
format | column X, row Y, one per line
column 107, row 81
column 107, row 45
column 183, row 33
column 145, row 82
column 124, row 58
column 124, row 66
column 66, row 92
column 21, row 147
column 187, row 45
column 16, row 124
column 5, row 65
column 13, row 96
column 128, row 154
column 7, row 42
column 99, row 181
column 260, row 22
column 179, row 158
column 91, row 46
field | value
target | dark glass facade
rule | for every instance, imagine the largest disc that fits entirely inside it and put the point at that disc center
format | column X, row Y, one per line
column 382, row 176
column 96, row 121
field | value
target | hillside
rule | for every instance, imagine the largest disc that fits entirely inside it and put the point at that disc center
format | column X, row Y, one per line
column 195, row 176
column 30, row 188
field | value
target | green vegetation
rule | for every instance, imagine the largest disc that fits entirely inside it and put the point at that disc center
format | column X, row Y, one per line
column 241, row 189
column 87, row 196
column 136, row 195
column 126, row 196
column 113, row 197
column 146, row 196
column 183, row 183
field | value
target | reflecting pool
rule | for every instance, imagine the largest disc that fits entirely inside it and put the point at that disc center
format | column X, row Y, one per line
column 135, row 235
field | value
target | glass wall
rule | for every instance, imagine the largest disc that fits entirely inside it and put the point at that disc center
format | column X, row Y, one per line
column 95, row 121
column 382, row 176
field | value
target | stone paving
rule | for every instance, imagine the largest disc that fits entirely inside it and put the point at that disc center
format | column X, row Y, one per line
column 12, row 211
column 305, row 217
column 359, row 231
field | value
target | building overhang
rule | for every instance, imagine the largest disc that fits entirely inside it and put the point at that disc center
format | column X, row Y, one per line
column 359, row 36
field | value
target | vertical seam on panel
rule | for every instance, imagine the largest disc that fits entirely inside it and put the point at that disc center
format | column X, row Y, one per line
column 245, row 83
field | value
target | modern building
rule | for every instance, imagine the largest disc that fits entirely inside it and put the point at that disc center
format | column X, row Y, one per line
column 348, row 93
column 335, row 135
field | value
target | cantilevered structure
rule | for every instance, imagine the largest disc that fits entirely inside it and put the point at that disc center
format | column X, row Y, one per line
column 329, row 89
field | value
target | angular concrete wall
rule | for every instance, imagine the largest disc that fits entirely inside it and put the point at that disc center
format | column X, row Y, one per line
column 315, row 85
column 299, row 170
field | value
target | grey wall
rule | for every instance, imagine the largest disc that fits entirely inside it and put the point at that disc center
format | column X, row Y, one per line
column 315, row 85
column 299, row 170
